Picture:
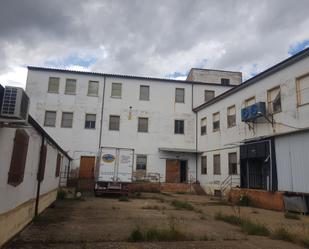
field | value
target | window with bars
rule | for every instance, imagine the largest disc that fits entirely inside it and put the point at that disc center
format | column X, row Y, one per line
column 142, row 125
column 217, row 164
column 225, row 81
column 250, row 101
column 141, row 162
column 93, row 88
column 204, row 165
column 50, row 118
column 203, row 126
column 67, row 120
column 179, row 126
column 302, row 90
column 233, row 163
column 274, row 100
column 144, row 92
column 19, row 157
column 90, row 121
column 231, row 116
column 53, row 84
column 114, row 123
column 208, row 95
column 180, row 95
column 70, row 86
column 216, row 121
column 116, row 90
column 58, row 164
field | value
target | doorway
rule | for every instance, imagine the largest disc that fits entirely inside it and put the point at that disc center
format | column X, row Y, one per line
column 86, row 168
column 176, row 171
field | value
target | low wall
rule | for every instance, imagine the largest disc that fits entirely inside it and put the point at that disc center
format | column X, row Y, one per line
column 157, row 187
column 259, row 198
column 16, row 219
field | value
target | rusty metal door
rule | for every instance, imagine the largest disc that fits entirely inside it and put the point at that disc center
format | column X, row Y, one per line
column 172, row 171
column 86, row 168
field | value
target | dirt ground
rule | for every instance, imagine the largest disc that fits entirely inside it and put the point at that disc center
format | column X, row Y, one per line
column 107, row 223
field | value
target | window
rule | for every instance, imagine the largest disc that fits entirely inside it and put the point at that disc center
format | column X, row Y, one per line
column 302, row 88
column 53, row 85
column 274, row 100
column 233, row 163
column 144, row 93
column 217, row 167
column 142, row 125
column 225, row 82
column 180, row 95
column 231, row 116
column 70, row 86
column 250, row 101
column 116, row 90
column 50, row 118
column 203, row 126
column 114, row 123
column 58, row 164
column 93, row 88
column 204, row 165
column 216, row 121
column 208, row 95
column 90, row 121
column 179, row 126
column 67, row 119
column 141, row 162
column 18, row 159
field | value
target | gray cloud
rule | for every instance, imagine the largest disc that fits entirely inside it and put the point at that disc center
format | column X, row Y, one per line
column 154, row 38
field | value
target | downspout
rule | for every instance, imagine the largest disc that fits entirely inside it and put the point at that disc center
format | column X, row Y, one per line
column 37, row 200
column 196, row 127
column 101, row 122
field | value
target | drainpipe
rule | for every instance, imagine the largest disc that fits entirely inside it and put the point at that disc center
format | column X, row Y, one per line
column 36, row 210
column 101, row 122
column 196, row 136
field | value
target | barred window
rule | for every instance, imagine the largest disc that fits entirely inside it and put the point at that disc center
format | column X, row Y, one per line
column 144, row 92
column 142, row 125
column 53, row 85
column 180, row 95
column 93, row 88
column 204, row 165
column 302, row 88
column 209, row 95
column 203, row 126
column 179, row 126
column 67, row 120
column 274, row 100
column 90, row 121
column 141, row 162
column 116, row 90
column 225, row 81
column 233, row 163
column 70, row 86
column 114, row 123
column 216, row 121
column 217, row 164
column 231, row 116
column 50, row 118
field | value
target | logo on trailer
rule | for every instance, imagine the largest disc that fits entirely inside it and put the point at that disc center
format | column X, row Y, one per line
column 108, row 158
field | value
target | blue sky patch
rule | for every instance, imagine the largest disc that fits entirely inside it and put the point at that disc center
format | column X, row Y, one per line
column 297, row 47
column 71, row 60
column 176, row 74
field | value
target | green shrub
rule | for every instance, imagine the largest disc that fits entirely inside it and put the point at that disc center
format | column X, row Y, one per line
column 182, row 205
column 232, row 219
column 244, row 200
column 61, row 194
column 293, row 216
column 123, row 198
column 283, row 234
column 136, row 235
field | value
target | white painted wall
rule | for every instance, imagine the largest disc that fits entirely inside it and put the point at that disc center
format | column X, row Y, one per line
column 290, row 119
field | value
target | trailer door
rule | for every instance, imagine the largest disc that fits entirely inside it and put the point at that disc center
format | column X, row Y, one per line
column 108, row 165
column 125, row 165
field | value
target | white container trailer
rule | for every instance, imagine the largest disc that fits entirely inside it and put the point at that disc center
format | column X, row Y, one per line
column 114, row 170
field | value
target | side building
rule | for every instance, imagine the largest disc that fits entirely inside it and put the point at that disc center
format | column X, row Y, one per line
column 86, row 111
column 256, row 135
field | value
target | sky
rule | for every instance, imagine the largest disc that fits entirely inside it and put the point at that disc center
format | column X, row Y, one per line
column 162, row 38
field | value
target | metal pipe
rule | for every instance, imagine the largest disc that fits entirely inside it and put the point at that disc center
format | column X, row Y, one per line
column 101, row 122
column 37, row 199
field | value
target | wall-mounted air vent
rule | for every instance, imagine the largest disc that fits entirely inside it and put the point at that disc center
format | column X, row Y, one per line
column 15, row 103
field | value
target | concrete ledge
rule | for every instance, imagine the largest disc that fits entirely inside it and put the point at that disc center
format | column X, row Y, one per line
column 157, row 187
column 259, row 198
column 16, row 219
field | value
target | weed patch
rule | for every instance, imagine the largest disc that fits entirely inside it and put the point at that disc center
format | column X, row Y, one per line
column 182, row 205
column 61, row 194
column 123, row 198
column 283, row 234
column 293, row 216
column 153, row 207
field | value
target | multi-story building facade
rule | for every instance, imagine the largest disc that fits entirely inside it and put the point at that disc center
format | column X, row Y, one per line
column 85, row 111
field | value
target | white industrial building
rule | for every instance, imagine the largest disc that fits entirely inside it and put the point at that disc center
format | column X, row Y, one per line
column 186, row 130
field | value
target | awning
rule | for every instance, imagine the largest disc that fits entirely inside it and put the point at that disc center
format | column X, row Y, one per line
column 179, row 150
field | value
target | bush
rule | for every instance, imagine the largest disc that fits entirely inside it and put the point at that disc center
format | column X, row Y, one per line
column 182, row 205
column 244, row 200
column 136, row 235
column 293, row 216
column 283, row 234
column 123, row 198
column 61, row 194
column 232, row 219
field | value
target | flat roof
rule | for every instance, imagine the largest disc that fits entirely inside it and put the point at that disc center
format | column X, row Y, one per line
column 178, row 150
column 277, row 67
column 59, row 70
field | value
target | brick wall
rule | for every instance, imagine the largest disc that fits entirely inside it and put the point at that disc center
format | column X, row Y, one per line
column 259, row 198
column 157, row 187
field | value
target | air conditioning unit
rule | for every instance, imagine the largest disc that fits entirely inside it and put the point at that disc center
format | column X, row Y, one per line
column 253, row 112
column 15, row 103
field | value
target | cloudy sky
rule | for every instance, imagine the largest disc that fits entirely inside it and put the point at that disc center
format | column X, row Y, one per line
column 162, row 38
